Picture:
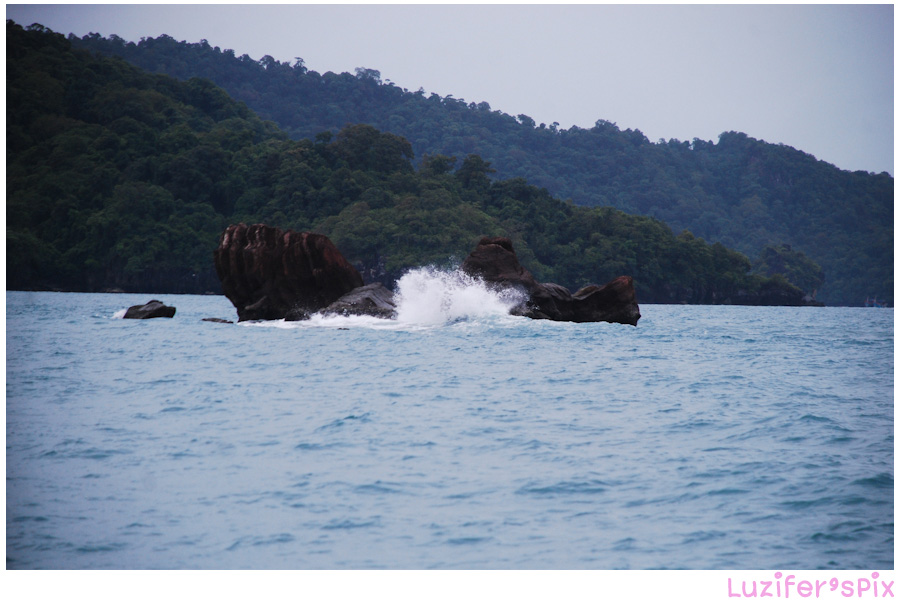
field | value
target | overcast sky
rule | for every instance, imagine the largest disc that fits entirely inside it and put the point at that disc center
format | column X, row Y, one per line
column 815, row 77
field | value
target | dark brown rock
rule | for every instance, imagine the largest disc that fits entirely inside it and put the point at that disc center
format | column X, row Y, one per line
column 271, row 274
column 151, row 309
column 371, row 300
column 494, row 260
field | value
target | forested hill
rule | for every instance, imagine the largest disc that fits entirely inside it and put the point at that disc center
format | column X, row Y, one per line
column 118, row 178
column 742, row 192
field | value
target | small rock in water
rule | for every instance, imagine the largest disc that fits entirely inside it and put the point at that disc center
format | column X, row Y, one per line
column 151, row 309
column 217, row 320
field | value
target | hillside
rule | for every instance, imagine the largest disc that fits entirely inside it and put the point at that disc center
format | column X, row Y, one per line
column 122, row 179
column 742, row 192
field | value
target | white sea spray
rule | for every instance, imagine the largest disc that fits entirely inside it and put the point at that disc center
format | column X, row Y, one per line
column 431, row 296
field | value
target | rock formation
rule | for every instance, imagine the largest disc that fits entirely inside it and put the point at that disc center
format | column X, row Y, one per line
column 151, row 309
column 495, row 261
column 270, row 274
column 369, row 300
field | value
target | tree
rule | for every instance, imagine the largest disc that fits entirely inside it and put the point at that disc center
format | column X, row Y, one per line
column 365, row 148
column 436, row 165
column 473, row 173
column 368, row 74
column 526, row 120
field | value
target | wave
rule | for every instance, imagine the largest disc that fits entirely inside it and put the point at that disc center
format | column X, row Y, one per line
column 425, row 297
column 431, row 296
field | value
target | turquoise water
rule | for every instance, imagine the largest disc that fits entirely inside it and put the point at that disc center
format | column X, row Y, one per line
column 455, row 437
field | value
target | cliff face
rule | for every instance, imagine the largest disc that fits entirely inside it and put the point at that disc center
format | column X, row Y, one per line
column 272, row 274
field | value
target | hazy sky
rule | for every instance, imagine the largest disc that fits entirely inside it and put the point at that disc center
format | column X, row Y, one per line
column 819, row 78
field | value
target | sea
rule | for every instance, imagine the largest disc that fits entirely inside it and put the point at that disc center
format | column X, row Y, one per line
column 456, row 436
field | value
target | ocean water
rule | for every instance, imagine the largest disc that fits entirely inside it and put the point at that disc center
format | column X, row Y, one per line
column 456, row 437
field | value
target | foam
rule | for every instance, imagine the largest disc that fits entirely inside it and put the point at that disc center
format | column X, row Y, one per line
column 430, row 296
column 426, row 297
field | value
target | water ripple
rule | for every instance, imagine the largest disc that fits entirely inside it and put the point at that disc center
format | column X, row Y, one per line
column 705, row 438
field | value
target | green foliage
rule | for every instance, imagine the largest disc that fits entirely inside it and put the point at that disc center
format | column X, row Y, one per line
column 793, row 266
column 434, row 228
column 126, row 179
column 365, row 148
column 741, row 192
column 119, row 175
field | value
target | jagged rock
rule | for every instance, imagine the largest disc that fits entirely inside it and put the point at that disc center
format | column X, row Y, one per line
column 613, row 302
column 370, row 300
column 271, row 274
column 494, row 260
column 151, row 309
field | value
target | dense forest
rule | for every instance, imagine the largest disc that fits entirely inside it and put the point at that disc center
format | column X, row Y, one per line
column 744, row 193
column 122, row 179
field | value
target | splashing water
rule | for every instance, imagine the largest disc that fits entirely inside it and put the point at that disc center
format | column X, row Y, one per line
column 425, row 297
column 429, row 296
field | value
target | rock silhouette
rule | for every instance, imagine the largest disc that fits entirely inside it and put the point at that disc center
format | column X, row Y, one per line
column 273, row 274
column 370, row 300
column 495, row 261
column 151, row 309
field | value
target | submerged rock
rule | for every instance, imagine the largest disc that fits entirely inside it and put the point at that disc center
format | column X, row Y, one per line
column 495, row 261
column 217, row 320
column 369, row 300
column 273, row 274
column 151, row 309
